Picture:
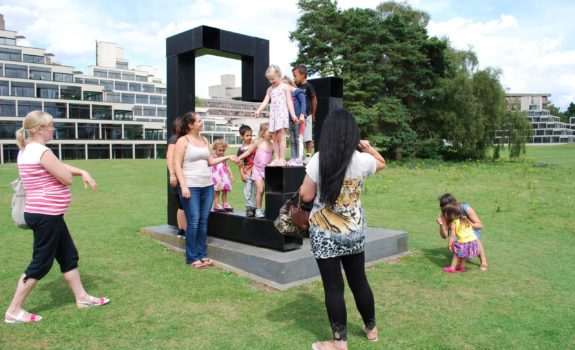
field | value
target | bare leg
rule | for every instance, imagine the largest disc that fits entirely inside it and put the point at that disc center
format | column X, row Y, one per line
column 482, row 255
column 181, row 217
column 224, row 197
column 216, row 198
column 73, row 280
column 462, row 263
column 308, row 147
column 259, row 193
column 281, row 140
column 454, row 261
column 276, row 145
column 22, row 292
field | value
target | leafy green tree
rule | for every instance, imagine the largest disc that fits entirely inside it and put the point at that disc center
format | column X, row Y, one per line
column 570, row 112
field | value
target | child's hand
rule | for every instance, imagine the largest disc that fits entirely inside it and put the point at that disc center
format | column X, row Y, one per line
column 294, row 119
column 234, row 159
column 257, row 114
column 441, row 220
column 244, row 177
column 231, row 177
column 450, row 246
column 302, row 118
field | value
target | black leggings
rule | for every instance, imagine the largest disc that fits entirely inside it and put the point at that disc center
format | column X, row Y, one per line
column 354, row 267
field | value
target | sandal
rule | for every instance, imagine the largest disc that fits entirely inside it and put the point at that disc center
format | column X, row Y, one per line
column 449, row 269
column 460, row 268
column 370, row 334
column 218, row 208
column 92, row 302
column 207, row 261
column 327, row 345
column 227, row 207
column 198, row 264
column 13, row 319
column 483, row 267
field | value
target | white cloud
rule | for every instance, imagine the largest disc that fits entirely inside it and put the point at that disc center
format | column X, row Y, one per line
column 530, row 64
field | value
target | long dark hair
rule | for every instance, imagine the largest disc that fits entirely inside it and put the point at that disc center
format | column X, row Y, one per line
column 187, row 119
column 339, row 140
column 445, row 199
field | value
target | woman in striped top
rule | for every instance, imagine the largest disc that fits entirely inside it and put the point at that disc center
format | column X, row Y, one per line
column 46, row 182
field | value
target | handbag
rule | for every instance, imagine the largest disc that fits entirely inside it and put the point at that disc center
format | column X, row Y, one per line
column 293, row 218
column 18, row 203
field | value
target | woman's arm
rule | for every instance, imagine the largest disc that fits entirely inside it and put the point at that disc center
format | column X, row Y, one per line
column 474, row 219
column 442, row 227
column 364, row 146
column 452, row 237
column 87, row 179
column 170, row 163
column 307, row 189
column 249, row 151
column 179, row 153
column 56, row 168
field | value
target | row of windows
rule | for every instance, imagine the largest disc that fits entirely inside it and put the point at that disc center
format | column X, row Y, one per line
column 10, row 108
column 112, row 74
column 98, row 151
column 17, row 56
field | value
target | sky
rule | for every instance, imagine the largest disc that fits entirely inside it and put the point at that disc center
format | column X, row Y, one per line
column 530, row 41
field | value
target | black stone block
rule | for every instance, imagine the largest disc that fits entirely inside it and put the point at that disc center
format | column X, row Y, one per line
column 259, row 232
column 274, row 201
column 284, row 179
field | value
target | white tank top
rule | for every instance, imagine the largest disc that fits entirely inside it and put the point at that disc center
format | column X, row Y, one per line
column 195, row 167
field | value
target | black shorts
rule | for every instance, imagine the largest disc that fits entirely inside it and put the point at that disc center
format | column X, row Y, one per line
column 52, row 240
column 175, row 191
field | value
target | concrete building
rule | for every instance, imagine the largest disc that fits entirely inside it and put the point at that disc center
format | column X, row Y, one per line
column 546, row 127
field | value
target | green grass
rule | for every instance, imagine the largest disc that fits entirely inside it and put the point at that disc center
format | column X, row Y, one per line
column 525, row 301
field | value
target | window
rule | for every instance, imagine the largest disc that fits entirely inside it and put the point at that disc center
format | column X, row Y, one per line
column 113, row 97
column 22, row 89
column 4, row 88
column 107, row 84
column 121, row 65
column 123, row 115
column 64, row 131
column 111, row 132
column 8, row 41
column 148, row 88
column 161, row 91
column 141, row 78
column 40, row 73
column 137, row 110
column 78, row 111
column 25, row 107
column 121, row 86
column 156, row 100
column 87, row 131
column 10, row 54
column 70, row 92
column 47, row 91
column 149, row 111
column 114, row 75
column 128, row 76
column 78, row 80
column 128, row 98
column 100, row 73
column 140, row 98
column 8, row 129
column 33, row 59
column 1, row 69
column 91, row 81
column 8, row 109
column 164, row 101
column 102, row 112
column 63, row 77
column 15, row 71
column 135, row 87
column 56, row 109
column 133, row 132
column 162, row 112
column 93, row 96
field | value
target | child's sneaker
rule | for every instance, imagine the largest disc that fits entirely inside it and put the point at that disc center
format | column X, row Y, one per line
column 250, row 212
column 260, row 213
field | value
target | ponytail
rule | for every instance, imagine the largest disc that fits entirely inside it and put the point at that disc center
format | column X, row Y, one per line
column 21, row 138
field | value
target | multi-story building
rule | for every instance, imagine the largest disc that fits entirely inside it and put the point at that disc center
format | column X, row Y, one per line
column 546, row 127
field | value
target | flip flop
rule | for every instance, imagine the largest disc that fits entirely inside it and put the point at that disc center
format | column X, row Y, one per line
column 19, row 318
column 373, row 332
column 91, row 302
column 198, row 264
column 207, row 261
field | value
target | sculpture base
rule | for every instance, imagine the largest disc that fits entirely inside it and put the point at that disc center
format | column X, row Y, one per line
column 280, row 270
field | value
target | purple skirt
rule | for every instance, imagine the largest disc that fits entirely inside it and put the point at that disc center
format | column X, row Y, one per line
column 466, row 250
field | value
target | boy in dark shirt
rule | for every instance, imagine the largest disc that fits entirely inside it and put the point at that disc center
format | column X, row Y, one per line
column 246, row 170
column 300, row 78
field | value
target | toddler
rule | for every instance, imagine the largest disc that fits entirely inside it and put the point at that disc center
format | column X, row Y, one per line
column 222, row 177
column 246, row 169
column 466, row 245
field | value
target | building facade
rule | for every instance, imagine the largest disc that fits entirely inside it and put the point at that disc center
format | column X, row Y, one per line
column 546, row 127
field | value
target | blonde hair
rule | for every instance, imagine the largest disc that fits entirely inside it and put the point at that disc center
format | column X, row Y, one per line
column 32, row 122
column 263, row 128
column 288, row 81
column 219, row 142
column 273, row 71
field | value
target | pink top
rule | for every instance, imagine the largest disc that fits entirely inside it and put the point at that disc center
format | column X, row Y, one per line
column 44, row 193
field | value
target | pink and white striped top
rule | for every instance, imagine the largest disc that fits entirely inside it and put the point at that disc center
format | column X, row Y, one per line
column 44, row 193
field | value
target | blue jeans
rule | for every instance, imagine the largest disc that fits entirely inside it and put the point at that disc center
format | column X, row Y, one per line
column 197, row 210
column 294, row 139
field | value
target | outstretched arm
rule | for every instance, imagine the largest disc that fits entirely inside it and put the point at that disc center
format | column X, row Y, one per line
column 263, row 104
column 474, row 219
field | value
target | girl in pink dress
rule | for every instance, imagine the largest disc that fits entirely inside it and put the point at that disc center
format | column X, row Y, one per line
column 281, row 107
column 222, row 177
column 264, row 154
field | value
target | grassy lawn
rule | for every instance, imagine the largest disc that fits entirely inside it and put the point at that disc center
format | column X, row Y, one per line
column 525, row 301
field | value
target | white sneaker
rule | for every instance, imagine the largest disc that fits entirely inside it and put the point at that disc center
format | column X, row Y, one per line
column 306, row 160
column 260, row 213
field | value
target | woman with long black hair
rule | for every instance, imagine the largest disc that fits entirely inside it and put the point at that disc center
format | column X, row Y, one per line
column 335, row 176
